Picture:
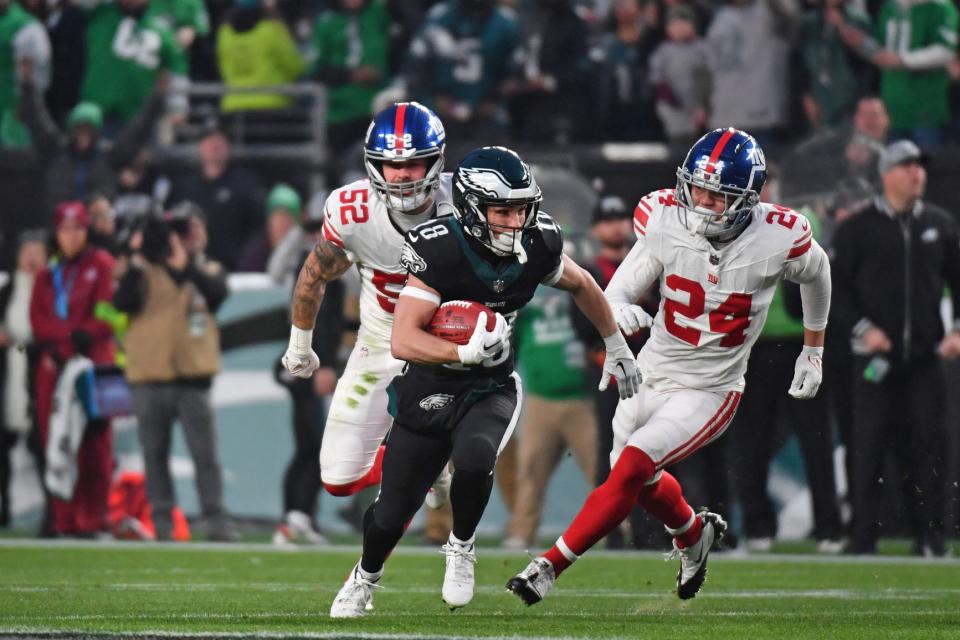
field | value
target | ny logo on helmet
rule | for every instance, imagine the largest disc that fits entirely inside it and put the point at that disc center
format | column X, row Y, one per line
column 399, row 142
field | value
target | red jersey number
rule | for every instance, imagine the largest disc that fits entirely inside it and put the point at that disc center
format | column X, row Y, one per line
column 354, row 204
column 387, row 296
column 783, row 216
column 731, row 318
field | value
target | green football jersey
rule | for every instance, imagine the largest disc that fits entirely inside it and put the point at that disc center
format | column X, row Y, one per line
column 174, row 14
column 550, row 357
column 350, row 41
column 12, row 131
column 124, row 56
column 913, row 97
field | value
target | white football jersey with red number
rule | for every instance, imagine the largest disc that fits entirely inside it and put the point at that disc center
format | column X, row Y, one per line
column 713, row 301
column 357, row 221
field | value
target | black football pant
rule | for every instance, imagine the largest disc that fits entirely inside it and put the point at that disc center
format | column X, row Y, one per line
column 903, row 415
column 301, row 482
column 765, row 400
column 413, row 460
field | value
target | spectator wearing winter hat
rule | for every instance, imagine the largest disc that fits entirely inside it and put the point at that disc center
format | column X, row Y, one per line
column 283, row 210
column 63, row 317
column 79, row 161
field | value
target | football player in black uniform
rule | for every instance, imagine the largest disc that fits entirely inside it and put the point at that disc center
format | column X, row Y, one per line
column 461, row 403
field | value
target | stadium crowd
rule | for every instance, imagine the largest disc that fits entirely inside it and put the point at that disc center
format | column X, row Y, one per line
column 97, row 97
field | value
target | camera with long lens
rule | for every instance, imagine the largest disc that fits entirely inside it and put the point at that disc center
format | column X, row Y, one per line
column 156, row 233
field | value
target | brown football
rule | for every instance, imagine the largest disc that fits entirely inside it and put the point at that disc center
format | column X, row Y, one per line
column 455, row 320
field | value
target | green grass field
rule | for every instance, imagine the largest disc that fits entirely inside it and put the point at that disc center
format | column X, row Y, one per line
column 254, row 591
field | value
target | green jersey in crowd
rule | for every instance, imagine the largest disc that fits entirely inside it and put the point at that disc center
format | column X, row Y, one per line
column 550, row 356
column 124, row 56
column 176, row 14
column 347, row 41
column 21, row 37
column 917, row 97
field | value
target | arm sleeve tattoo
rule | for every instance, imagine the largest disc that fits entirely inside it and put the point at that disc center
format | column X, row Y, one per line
column 323, row 264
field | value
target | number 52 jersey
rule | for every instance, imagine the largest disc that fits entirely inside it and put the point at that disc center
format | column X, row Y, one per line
column 714, row 300
column 357, row 221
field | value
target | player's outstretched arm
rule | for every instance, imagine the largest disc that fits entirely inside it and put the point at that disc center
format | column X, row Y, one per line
column 588, row 296
column 325, row 262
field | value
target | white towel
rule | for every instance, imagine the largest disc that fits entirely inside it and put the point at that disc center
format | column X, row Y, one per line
column 67, row 424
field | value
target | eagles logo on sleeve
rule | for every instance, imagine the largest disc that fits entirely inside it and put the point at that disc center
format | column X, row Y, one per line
column 412, row 260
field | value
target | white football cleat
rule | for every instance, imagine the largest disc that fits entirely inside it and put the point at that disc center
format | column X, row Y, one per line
column 693, row 559
column 533, row 583
column 355, row 596
column 458, row 579
column 439, row 493
column 298, row 529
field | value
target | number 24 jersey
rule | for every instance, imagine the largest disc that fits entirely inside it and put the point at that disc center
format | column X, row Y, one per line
column 714, row 301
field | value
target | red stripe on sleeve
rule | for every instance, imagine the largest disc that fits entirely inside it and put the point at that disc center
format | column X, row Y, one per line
column 331, row 234
column 796, row 252
column 640, row 216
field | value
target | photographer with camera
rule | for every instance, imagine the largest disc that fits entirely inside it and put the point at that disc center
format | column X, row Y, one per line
column 171, row 291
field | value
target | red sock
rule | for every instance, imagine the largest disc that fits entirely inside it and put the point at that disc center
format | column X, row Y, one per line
column 664, row 501
column 368, row 479
column 605, row 508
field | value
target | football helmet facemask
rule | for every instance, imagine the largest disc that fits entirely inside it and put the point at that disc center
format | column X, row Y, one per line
column 728, row 162
column 402, row 132
column 495, row 176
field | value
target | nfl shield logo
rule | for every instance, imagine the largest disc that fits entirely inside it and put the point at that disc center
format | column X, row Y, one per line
column 498, row 285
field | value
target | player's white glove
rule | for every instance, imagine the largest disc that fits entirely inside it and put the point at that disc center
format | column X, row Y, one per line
column 484, row 344
column 300, row 360
column 631, row 318
column 807, row 373
column 620, row 364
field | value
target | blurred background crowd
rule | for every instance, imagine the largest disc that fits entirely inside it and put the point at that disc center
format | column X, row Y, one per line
column 163, row 167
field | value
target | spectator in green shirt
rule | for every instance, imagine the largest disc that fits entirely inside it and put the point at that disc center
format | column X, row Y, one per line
column 22, row 40
column 126, row 51
column 350, row 43
column 187, row 19
column 914, row 42
column 557, row 412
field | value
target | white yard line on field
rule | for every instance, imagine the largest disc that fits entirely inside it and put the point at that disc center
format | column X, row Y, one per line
column 31, row 543
column 279, row 587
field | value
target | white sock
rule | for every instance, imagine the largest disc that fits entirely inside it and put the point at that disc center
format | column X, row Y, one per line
column 463, row 543
column 366, row 575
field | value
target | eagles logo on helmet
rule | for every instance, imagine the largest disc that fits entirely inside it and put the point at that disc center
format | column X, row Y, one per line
column 495, row 176
column 729, row 162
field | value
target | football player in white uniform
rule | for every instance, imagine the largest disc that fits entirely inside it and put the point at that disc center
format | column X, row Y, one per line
column 718, row 253
column 365, row 222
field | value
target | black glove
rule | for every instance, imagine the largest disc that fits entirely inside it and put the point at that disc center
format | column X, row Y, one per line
column 82, row 342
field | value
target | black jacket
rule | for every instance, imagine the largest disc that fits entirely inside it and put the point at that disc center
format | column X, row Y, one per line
column 890, row 271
